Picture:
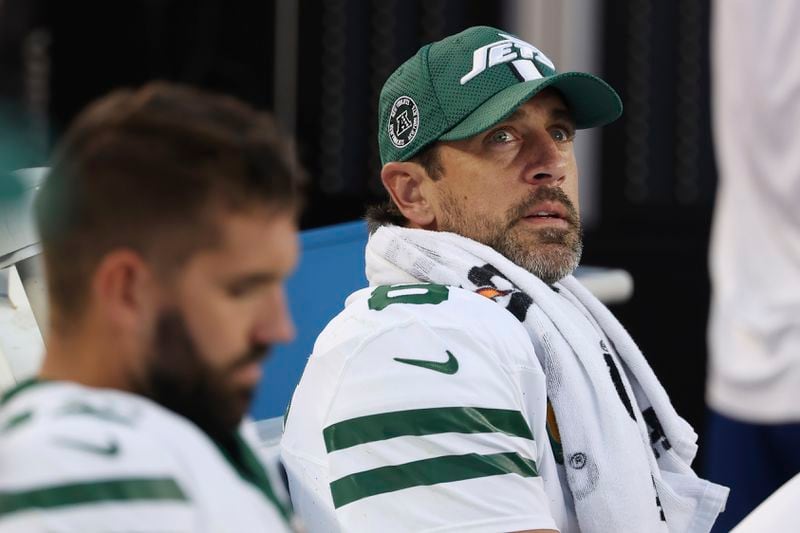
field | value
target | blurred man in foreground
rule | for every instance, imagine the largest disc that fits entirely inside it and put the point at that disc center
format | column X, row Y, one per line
column 168, row 223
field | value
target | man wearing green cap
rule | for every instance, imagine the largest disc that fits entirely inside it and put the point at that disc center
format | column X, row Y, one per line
column 476, row 385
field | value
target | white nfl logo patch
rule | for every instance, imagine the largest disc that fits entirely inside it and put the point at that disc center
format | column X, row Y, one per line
column 403, row 121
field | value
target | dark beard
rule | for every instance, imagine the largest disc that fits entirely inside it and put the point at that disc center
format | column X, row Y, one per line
column 179, row 379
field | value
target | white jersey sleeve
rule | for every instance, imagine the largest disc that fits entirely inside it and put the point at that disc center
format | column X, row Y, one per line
column 77, row 468
column 77, row 460
column 430, row 425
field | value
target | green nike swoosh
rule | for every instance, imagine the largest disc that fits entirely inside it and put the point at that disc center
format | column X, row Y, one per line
column 109, row 449
column 448, row 367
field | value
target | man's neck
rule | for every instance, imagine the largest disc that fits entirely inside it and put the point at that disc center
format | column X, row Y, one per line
column 88, row 360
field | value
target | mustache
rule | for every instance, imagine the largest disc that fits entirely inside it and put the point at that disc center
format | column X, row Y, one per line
column 545, row 194
column 256, row 354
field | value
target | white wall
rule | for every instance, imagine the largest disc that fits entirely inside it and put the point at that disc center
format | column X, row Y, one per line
column 21, row 344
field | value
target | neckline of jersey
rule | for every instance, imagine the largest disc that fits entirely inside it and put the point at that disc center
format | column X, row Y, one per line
column 251, row 470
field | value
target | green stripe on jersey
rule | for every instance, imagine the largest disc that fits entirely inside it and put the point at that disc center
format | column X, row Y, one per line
column 19, row 387
column 142, row 489
column 416, row 422
column 16, row 421
column 426, row 472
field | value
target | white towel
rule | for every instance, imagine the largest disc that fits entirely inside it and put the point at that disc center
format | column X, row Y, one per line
column 628, row 466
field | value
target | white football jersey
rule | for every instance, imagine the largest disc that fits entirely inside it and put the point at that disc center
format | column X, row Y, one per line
column 80, row 460
column 422, row 393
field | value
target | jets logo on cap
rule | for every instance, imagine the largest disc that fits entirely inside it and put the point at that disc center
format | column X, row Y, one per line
column 403, row 121
column 523, row 57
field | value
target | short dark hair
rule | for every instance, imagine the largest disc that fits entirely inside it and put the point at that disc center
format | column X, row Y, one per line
column 387, row 212
column 150, row 170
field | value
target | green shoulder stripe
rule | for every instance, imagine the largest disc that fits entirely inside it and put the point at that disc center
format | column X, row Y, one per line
column 428, row 472
column 16, row 421
column 416, row 422
column 19, row 387
column 141, row 489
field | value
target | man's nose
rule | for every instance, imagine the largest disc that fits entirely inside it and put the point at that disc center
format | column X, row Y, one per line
column 547, row 161
column 275, row 321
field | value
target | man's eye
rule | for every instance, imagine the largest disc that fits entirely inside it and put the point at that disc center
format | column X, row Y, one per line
column 238, row 291
column 242, row 289
column 562, row 134
column 501, row 136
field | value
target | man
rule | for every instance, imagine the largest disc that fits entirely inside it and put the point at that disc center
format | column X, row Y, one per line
column 168, row 223
column 475, row 385
column 753, row 383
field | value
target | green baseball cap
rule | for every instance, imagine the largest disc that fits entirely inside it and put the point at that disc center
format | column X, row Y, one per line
column 468, row 82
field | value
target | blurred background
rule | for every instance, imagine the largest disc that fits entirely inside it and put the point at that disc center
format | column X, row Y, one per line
column 648, row 180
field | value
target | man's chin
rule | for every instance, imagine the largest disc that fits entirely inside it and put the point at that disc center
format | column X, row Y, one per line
column 546, row 257
column 239, row 405
column 543, row 242
column 223, row 412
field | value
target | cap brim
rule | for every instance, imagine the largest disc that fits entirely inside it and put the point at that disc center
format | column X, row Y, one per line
column 592, row 101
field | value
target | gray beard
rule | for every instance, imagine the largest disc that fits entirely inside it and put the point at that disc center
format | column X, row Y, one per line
column 556, row 258
column 550, row 254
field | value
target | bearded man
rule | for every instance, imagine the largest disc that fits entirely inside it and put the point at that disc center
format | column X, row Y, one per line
column 476, row 385
column 168, row 222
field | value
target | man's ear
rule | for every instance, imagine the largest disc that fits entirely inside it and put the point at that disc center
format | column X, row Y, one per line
column 123, row 289
column 410, row 188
